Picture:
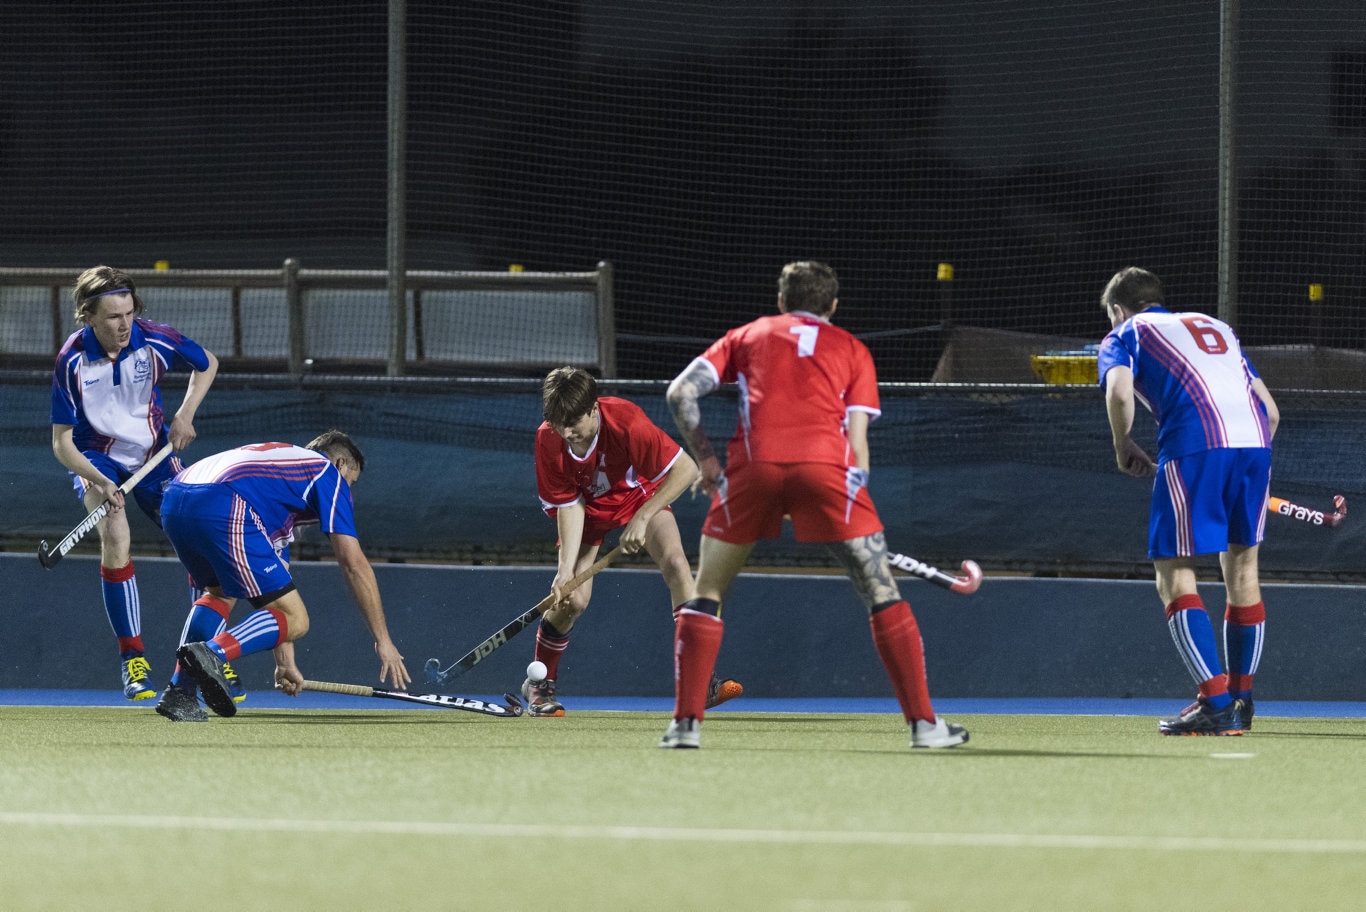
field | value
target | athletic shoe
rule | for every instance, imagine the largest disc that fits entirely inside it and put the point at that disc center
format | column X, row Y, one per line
column 720, row 691
column 683, row 733
column 1244, row 711
column 181, row 706
column 207, row 669
column 937, row 734
column 135, row 673
column 1205, row 721
column 235, row 685
column 540, row 698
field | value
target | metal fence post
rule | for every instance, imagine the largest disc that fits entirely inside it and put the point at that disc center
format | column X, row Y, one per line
column 607, row 333
column 294, row 308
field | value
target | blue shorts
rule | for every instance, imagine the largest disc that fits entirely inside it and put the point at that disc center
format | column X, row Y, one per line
column 222, row 542
column 1203, row 502
column 149, row 490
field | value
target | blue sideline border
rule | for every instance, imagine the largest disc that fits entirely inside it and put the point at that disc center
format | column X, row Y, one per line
column 1071, row 706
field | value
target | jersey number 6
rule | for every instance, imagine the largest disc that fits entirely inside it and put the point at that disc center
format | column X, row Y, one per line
column 1206, row 335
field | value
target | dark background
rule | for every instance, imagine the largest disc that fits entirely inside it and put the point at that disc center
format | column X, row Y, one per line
column 698, row 148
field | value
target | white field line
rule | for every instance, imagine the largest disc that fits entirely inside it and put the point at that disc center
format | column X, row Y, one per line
column 1284, row 846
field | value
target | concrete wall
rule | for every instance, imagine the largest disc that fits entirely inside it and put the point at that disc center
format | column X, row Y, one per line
column 786, row 635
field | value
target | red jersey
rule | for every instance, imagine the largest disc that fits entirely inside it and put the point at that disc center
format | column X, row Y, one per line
column 629, row 456
column 799, row 377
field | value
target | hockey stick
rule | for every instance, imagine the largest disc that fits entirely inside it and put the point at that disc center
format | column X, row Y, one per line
column 1304, row 514
column 438, row 701
column 965, row 585
column 48, row 556
column 439, row 676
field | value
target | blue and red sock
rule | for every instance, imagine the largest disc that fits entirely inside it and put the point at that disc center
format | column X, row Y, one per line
column 1193, row 635
column 207, row 619
column 124, row 608
column 262, row 630
column 1244, row 630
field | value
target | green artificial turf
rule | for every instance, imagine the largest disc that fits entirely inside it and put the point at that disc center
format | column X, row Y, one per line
column 116, row 808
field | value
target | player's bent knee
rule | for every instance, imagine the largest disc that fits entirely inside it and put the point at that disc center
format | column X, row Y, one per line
column 297, row 628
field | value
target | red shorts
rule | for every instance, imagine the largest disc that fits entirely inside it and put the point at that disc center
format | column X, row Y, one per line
column 599, row 520
column 824, row 502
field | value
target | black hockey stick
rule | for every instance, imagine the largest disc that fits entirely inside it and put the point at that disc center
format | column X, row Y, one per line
column 436, row 701
column 49, row 555
column 439, row 676
column 966, row 584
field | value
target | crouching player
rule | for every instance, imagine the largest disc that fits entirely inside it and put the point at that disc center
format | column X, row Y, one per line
column 226, row 515
column 602, row 464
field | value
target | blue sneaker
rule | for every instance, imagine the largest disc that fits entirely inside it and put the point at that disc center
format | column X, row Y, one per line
column 135, row 672
column 236, row 688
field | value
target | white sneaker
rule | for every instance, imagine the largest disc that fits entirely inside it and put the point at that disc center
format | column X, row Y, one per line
column 937, row 734
column 683, row 733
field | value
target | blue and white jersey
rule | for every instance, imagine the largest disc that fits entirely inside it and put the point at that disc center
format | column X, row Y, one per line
column 115, row 406
column 1190, row 371
column 286, row 485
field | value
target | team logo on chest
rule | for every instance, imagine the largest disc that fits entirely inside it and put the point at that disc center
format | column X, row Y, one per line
column 142, row 369
column 600, row 485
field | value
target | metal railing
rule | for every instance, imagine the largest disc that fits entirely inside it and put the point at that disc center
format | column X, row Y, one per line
column 434, row 338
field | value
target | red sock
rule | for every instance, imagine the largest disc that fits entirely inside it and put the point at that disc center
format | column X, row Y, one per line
column 550, row 648
column 697, row 641
column 897, row 638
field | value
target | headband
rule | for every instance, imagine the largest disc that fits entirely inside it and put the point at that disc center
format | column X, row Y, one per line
column 101, row 294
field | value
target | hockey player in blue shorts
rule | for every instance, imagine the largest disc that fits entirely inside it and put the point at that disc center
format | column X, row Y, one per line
column 231, row 517
column 1212, row 479
column 107, row 422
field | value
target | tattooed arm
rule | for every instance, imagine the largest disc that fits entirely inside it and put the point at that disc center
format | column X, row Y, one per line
column 697, row 380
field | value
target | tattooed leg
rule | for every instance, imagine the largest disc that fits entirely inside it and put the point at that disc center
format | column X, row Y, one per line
column 865, row 560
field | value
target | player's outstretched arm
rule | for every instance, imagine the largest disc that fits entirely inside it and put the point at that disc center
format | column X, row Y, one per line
column 360, row 579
